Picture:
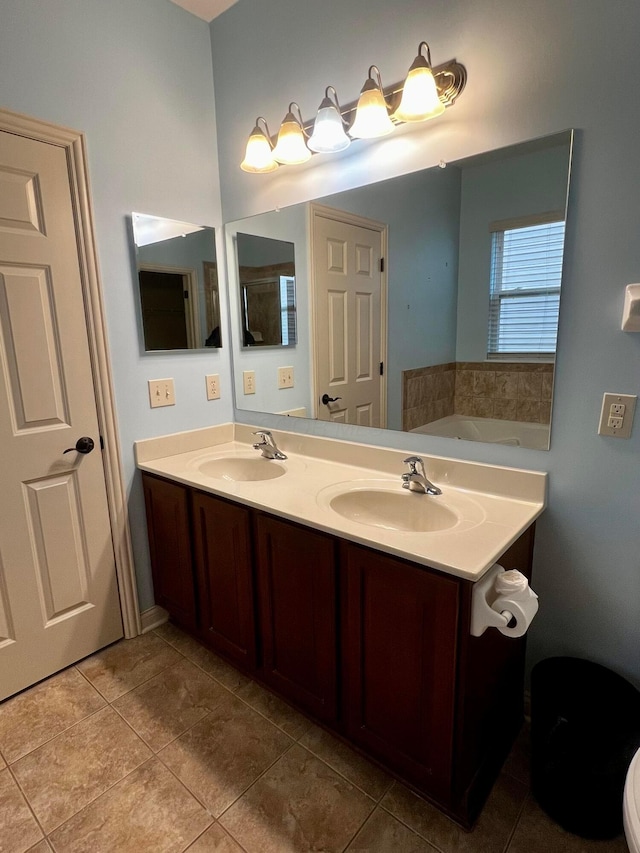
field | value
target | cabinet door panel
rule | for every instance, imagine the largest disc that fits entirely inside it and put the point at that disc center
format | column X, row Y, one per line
column 170, row 549
column 297, row 596
column 400, row 651
column 223, row 561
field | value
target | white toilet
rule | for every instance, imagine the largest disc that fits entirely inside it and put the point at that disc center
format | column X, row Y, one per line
column 631, row 807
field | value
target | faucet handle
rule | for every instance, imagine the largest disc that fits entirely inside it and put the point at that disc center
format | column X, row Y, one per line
column 264, row 434
column 412, row 462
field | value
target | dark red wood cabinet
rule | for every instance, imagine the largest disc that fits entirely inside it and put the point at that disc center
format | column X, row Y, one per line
column 169, row 531
column 224, row 572
column 297, row 570
column 375, row 647
column 400, row 652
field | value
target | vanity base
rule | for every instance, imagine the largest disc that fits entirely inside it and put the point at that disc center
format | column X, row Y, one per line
column 374, row 648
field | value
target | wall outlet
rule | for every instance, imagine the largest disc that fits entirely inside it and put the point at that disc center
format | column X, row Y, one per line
column 249, row 381
column 285, row 377
column 213, row 386
column 616, row 415
column 161, row 393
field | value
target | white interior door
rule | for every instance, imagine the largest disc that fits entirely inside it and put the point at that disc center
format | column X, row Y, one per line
column 58, row 591
column 347, row 280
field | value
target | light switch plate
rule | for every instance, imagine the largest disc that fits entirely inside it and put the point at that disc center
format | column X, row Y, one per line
column 161, row 393
column 616, row 416
column 249, row 381
column 285, row 377
column 213, row 386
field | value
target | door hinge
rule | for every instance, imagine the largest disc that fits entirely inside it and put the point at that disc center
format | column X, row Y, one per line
column 382, row 368
column 185, row 293
column 381, row 264
column 101, row 443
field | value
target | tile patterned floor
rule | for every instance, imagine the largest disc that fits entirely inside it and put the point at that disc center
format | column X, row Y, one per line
column 156, row 744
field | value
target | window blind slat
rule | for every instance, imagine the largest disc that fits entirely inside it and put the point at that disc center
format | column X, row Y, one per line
column 526, row 274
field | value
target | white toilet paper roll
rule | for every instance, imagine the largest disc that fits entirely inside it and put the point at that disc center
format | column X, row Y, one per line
column 523, row 611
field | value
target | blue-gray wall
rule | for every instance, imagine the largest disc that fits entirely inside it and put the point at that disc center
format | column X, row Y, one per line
column 136, row 78
column 518, row 186
column 532, row 71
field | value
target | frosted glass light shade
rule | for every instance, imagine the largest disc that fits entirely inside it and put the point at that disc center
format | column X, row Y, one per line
column 372, row 117
column 259, row 155
column 291, row 149
column 328, row 132
column 420, row 99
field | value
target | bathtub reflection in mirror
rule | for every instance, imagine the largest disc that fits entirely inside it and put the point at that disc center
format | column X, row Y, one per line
column 459, row 331
column 178, row 284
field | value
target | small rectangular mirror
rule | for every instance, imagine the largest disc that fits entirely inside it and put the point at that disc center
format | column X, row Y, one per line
column 267, row 280
column 178, row 284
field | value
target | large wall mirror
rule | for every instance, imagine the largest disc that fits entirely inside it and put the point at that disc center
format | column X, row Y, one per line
column 177, row 274
column 427, row 303
column 266, row 272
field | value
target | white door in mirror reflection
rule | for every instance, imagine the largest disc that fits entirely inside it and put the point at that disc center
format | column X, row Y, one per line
column 348, row 287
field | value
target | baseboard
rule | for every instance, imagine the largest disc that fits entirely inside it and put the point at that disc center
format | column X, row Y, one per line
column 153, row 617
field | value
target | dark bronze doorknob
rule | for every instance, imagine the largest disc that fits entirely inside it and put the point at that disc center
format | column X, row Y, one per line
column 83, row 445
column 326, row 399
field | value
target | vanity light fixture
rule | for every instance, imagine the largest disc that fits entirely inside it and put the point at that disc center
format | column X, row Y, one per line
column 420, row 99
column 372, row 113
column 424, row 94
column 259, row 154
column 329, row 133
column 291, row 147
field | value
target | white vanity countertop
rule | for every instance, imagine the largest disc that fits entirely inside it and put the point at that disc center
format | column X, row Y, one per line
column 494, row 504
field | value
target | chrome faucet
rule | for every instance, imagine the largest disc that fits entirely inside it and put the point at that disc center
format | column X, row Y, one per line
column 268, row 446
column 416, row 482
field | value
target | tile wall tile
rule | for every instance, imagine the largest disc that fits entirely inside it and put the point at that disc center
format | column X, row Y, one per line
column 505, row 390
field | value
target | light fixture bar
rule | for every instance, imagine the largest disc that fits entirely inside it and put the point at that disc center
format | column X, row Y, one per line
column 450, row 77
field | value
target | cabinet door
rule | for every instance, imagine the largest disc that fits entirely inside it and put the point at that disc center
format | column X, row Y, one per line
column 399, row 656
column 298, row 604
column 170, row 549
column 222, row 545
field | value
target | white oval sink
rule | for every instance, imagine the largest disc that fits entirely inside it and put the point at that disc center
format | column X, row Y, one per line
column 240, row 469
column 401, row 510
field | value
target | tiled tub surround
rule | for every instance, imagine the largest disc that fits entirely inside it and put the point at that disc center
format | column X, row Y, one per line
column 295, row 788
column 496, row 504
column 512, row 391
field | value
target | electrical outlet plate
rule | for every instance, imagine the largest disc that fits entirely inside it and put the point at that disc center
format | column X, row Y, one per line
column 616, row 416
column 213, row 386
column 249, row 381
column 285, row 377
column 161, row 393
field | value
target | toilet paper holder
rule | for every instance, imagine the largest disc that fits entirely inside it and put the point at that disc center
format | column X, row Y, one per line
column 484, row 616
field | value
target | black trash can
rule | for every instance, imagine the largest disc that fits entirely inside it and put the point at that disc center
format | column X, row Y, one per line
column 585, row 729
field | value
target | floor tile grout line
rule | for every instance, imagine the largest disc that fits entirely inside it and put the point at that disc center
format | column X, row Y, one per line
column 97, row 797
column 26, row 799
column 413, row 829
column 360, row 828
column 516, row 821
column 255, row 781
column 343, row 776
column 216, row 822
column 131, row 689
column 58, row 734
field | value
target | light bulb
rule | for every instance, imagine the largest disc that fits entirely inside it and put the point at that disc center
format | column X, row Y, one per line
column 291, row 148
column 420, row 99
column 328, row 131
column 372, row 116
column 258, row 155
